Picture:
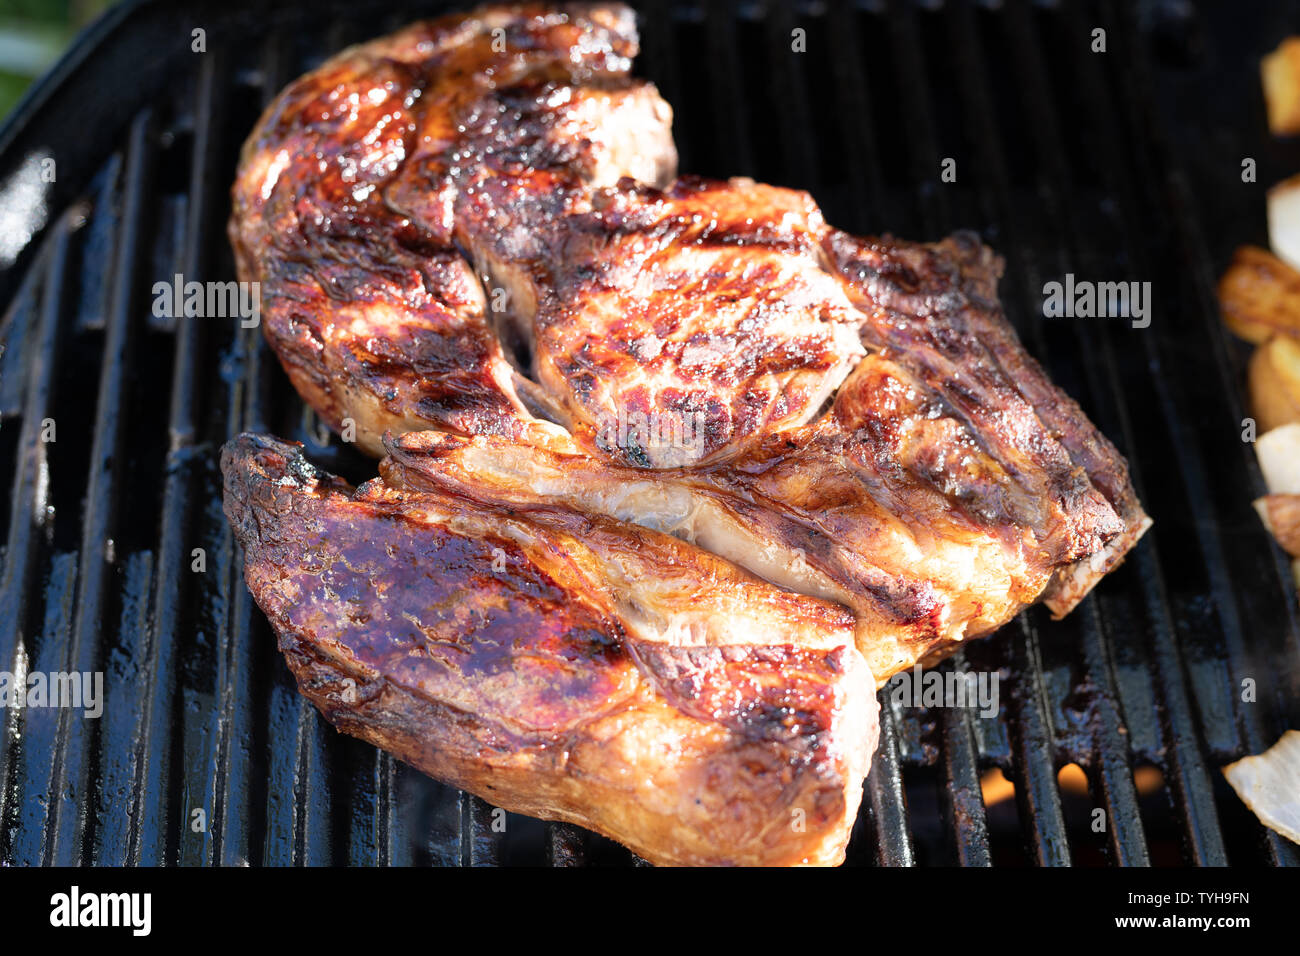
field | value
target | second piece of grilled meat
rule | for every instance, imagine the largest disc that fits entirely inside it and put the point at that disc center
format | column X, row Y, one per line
column 562, row 664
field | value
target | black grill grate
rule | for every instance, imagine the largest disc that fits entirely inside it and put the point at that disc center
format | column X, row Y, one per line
column 1069, row 161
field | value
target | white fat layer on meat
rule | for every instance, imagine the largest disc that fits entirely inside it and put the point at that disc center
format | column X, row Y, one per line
column 673, row 509
column 686, row 609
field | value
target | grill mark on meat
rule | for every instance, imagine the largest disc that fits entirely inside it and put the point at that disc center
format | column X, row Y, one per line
column 344, row 201
column 754, row 326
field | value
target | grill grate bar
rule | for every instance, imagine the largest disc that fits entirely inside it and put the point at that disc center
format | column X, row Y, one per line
column 70, row 775
column 30, row 492
column 15, row 327
column 890, row 826
column 962, row 794
column 150, row 811
column 1033, row 773
column 40, row 730
column 566, row 845
column 480, row 841
column 313, row 804
column 1110, row 759
column 961, row 789
column 1191, row 783
column 230, row 782
column 1110, row 748
column 125, row 685
column 388, row 849
column 1248, row 719
column 890, row 830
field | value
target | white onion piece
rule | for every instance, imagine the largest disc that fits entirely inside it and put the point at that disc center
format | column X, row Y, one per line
column 1278, row 451
column 1269, row 784
column 1284, row 221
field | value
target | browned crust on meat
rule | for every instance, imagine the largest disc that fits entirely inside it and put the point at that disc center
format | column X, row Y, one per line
column 704, row 305
column 485, row 649
column 933, row 308
column 948, row 484
column 342, row 208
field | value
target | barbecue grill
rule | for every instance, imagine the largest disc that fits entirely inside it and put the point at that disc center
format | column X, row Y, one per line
column 1122, row 165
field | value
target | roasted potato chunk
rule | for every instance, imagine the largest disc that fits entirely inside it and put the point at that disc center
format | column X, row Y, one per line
column 1260, row 295
column 1280, row 73
column 1274, row 382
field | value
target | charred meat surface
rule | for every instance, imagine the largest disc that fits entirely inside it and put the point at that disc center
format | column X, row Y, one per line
column 932, row 308
column 725, row 454
column 563, row 664
column 347, row 191
column 948, row 486
column 678, row 326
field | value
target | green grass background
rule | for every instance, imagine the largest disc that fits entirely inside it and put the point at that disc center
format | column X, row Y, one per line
column 32, row 35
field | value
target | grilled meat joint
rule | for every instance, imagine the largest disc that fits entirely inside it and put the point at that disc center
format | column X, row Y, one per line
column 675, row 472
column 566, row 666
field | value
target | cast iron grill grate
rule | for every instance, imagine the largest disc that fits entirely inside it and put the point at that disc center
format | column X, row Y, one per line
column 1067, row 161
